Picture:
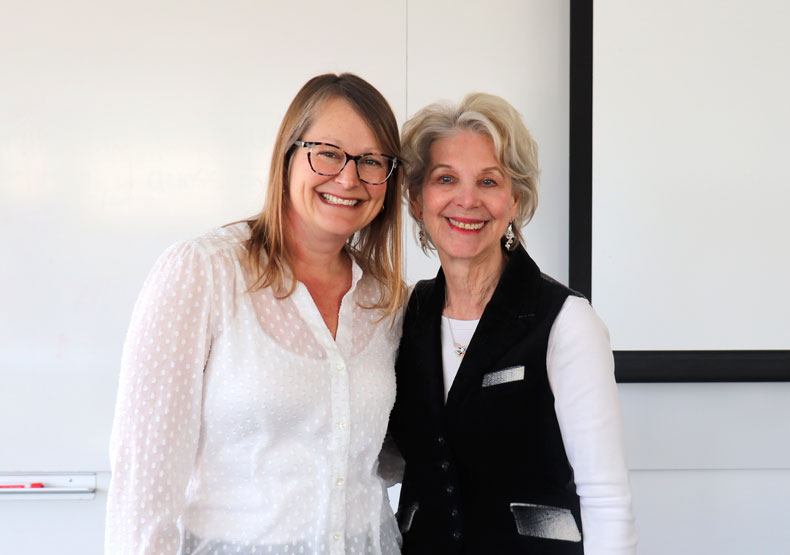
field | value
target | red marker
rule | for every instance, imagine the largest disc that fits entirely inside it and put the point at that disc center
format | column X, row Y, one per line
column 22, row 486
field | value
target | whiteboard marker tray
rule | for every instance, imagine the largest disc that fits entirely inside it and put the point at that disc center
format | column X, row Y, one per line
column 41, row 486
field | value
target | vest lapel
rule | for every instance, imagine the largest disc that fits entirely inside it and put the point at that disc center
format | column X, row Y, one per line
column 507, row 317
column 427, row 342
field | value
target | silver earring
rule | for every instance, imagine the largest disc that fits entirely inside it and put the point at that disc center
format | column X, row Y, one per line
column 421, row 236
column 510, row 236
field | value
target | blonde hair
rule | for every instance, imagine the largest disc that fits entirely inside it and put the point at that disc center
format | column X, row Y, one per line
column 377, row 247
column 488, row 115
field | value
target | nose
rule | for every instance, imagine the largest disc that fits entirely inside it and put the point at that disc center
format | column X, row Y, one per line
column 348, row 177
column 467, row 195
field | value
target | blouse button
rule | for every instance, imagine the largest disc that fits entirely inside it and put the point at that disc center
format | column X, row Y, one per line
column 336, row 537
column 340, row 366
column 340, row 481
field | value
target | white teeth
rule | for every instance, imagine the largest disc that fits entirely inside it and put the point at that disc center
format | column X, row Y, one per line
column 467, row 225
column 332, row 199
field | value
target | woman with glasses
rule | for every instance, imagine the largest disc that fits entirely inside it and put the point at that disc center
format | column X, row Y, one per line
column 257, row 375
column 507, row 411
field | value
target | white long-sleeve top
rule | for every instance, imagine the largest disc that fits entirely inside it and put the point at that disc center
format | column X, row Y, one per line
column 581, row 375
column 241, row 425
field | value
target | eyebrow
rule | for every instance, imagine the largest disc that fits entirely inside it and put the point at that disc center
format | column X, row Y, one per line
column 490, row 169
column 334, row 143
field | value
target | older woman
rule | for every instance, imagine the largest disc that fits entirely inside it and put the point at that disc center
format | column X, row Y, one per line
column 507, row 412
column 257, row 375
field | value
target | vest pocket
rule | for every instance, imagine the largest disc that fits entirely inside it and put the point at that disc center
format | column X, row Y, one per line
column 544, row 521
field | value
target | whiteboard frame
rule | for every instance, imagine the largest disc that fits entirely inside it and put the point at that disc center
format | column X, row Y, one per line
column 635, row 366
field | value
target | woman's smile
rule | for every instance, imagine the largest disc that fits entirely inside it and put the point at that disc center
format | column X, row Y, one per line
column 463, row 224
column 335, row 200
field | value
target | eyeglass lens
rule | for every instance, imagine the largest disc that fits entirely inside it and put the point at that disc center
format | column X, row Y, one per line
column 329, row 160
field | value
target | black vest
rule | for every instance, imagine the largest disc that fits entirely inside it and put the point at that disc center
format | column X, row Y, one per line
column 486, row 473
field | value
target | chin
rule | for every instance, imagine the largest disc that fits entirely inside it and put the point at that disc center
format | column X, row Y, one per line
column 458, row 252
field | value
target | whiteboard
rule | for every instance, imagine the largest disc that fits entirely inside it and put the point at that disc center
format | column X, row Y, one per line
column 691, row 184
column 127, row 127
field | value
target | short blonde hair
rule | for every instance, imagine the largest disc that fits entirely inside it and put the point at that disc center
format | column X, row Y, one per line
column 482, row 113
column 377, row 247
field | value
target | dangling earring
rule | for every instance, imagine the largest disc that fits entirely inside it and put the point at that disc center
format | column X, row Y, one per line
column 510, row 236
column 421, row 235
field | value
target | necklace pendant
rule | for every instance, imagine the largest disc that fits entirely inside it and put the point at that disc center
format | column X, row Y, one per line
column 460, row 350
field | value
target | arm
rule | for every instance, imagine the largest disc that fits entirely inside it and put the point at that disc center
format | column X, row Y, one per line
column 157, row 414
column 581, row 375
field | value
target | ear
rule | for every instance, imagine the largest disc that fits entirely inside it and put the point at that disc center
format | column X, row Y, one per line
column 516, row 202
column 415, row 203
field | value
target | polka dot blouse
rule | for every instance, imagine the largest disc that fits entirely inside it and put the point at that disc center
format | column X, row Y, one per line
column 241, row 425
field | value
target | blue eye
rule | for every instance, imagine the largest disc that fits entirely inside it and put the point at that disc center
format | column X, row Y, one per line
column 488, row 183
column 445, row 179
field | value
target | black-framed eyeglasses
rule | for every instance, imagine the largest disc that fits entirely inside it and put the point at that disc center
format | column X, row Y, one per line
column 329, row 160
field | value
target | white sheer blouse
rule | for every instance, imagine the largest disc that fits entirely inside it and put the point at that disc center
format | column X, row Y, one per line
column 241, row 425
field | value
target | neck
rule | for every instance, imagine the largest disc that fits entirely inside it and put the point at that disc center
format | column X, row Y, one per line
column 312, row 258
column 470, row 284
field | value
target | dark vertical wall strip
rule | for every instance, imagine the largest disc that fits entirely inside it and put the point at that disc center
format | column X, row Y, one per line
column 635, row 366
column 580, row 147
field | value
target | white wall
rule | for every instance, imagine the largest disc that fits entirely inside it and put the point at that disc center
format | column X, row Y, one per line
column 710, row 467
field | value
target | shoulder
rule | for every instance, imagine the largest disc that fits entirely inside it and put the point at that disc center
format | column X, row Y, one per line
column 422, row 289
column 551, row 283
column 223, row 240
column 214, row 252
column 552, row 287
column 420, row 295
column 220, row 245
column 578, row 326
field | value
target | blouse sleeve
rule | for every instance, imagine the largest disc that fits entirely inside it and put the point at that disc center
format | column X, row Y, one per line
column 581, row 374
column 157, row 414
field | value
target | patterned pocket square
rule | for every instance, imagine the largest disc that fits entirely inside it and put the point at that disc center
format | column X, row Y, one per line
column 512, row 374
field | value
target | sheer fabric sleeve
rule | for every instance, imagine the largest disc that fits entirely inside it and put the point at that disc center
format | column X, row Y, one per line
column 157, row 415
column 581, row 373
column 391, row 464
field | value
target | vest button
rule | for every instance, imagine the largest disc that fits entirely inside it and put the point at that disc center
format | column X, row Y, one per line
column 440, row 440
column 457, row 535
column 444, row 465
column 454, row 513
column 450, row 489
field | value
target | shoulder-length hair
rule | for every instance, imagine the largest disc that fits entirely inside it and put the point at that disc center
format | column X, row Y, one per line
column 377, row 247
column 483, row 113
